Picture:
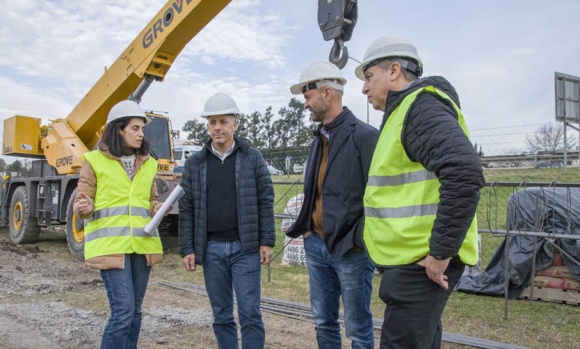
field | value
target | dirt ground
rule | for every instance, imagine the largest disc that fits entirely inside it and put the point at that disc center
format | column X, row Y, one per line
column 49, row 300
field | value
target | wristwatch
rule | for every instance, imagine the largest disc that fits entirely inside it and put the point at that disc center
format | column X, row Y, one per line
column 440, row 258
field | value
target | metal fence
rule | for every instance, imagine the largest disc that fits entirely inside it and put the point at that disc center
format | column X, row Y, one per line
column 492, row 216
column 501, row 184
column 535, row 165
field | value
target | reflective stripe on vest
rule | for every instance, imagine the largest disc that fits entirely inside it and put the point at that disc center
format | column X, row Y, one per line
column 402, row 197
column 401, row 212
column 116, row 231
column 403, row 178
column 118, row 211
column 121, row 209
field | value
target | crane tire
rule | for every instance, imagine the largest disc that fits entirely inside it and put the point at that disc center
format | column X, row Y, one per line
column 23, row 228
column 75, row 233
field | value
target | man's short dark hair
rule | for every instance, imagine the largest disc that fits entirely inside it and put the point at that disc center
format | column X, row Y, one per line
column 386, row 63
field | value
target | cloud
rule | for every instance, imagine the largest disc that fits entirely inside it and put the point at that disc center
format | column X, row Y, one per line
column 500, row 56
column 26, row 100
column 59, row 50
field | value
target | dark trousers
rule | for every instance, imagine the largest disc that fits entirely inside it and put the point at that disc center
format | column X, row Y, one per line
column 412, row 318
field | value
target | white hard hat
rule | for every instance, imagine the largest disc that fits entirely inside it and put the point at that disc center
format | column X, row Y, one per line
column 126, row 109
column 391, row 46
column 319, row 74
column 220, row 104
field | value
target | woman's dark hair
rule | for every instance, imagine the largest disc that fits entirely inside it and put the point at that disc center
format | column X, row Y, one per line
column 114, row 141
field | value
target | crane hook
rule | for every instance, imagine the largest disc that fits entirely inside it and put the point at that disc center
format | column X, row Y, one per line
column 335, row 54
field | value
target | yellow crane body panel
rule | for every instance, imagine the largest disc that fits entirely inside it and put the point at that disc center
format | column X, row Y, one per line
column 21, row 137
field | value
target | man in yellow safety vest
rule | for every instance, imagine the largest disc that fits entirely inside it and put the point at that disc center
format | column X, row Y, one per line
column 422, row 193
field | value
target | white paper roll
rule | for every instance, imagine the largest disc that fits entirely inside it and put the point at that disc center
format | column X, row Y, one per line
column 171, row 199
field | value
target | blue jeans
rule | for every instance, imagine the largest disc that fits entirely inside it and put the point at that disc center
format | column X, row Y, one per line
column 224, row 267
column 330, row 277
column 126, row 290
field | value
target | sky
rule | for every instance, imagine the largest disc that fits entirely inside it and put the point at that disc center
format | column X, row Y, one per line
column 501, row 56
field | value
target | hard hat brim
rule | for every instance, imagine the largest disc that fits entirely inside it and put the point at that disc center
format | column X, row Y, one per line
column 146, row 118
column 297, row 88
column 207, row 115
column 220, row 104
column 359, row 71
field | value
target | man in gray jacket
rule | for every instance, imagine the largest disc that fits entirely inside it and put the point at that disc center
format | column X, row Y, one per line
column 226, row 223
column 332, row 215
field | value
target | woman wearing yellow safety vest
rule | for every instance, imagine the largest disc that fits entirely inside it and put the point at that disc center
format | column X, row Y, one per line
column 117, row 196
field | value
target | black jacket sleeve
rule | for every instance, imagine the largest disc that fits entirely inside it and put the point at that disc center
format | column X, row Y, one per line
column 265, row 193
column 187, row 211
column 432, row 136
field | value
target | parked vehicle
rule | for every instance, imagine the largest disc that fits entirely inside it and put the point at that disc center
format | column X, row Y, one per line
column 551, row 164
column 299, row 168
column 274, row 171
column 182, row 150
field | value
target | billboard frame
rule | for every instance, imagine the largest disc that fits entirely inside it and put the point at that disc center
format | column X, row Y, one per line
column 567, row 101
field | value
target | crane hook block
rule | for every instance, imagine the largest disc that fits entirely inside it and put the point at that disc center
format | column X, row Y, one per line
column 335, row 54
column 337, row 19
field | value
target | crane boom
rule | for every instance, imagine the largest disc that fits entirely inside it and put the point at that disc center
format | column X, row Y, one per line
column 149, row 57
column 46, row 196
column 152, row 52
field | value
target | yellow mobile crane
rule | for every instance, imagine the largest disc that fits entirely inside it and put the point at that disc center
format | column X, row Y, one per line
column 46, row 197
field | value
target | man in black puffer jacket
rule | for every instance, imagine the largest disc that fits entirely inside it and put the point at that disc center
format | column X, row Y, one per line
column 422, row 193
column 226, row 223
column 332, row 215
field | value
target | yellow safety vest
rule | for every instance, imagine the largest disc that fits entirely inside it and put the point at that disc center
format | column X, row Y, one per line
column 401, row 197
column 121, row 209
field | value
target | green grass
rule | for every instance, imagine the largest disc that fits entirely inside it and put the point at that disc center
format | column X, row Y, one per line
column 532, row 324
column 532, row 175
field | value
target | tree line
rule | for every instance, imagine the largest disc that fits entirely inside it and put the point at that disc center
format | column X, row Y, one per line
column 278, row 138
column 16, row 166
column 293, row 129
column 290, row 134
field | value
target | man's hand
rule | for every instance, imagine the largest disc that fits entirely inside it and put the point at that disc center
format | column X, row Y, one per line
column 189, row 262
column 435, row 269
column 265, row 255
column 85, row 205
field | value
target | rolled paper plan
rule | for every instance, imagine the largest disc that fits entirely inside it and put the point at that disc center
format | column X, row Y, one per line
column 171, row 199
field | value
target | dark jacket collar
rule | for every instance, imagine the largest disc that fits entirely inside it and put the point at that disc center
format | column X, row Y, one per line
column 240, row 145
column 394, row 98
column 340, row 129
column 335, row 124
